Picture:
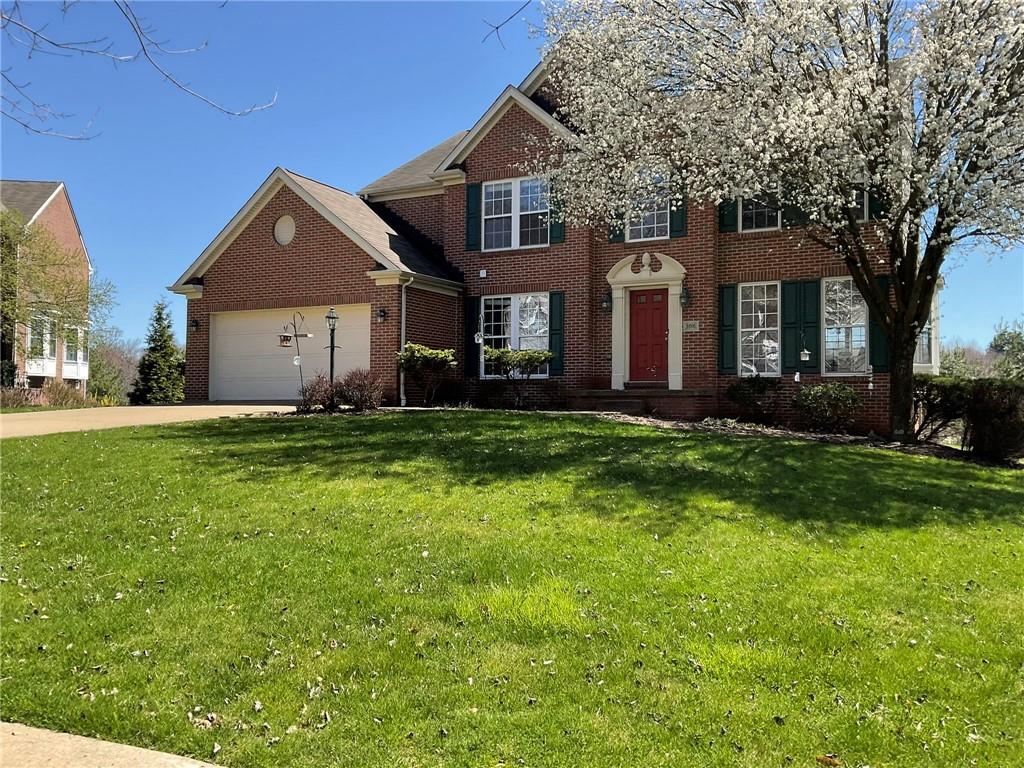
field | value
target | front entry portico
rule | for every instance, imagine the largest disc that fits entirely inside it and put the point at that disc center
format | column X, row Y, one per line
column 636, row 346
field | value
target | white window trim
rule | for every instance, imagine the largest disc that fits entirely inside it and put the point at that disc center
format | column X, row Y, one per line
column 867, row 335
column 668, row 227
column 47, row 334
column 78, row 358
column 739, row 222
column 514, row 335
column 739, row 327
column 865, row 211
column 515, row 216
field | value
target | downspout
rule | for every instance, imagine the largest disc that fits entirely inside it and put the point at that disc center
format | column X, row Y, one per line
column 401, row 372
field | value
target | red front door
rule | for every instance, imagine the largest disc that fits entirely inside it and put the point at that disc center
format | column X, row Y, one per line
column 648, row 335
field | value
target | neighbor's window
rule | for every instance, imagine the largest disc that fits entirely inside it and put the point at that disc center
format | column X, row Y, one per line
column 85, row 346
column 923, row 353
column 652, row 224
column 845, row 327
column 515, row 214
column 71, row 345
column 760, row 213
column 36, row 337
column 759, row 329
column 517, row 322
column 51, row 340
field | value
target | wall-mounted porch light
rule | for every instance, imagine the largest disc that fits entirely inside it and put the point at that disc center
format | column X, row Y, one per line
column 194, row 324
column 606, row 301
column 684, row 297
column 382, row 315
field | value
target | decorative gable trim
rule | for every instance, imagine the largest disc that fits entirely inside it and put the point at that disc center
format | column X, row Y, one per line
column 277, row 180
column 509, row 97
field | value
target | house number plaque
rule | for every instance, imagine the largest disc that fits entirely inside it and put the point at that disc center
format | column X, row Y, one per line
column 691, row 326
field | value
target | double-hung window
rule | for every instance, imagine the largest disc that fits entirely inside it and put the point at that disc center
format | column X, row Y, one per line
column 860, row 203
column 759, row 329
column 845, row 327
column 760, row 213
column 652, row 223
column 71, row 345
column 516, row 322
column 515, row 214
column 36, row 337
column 51, row 340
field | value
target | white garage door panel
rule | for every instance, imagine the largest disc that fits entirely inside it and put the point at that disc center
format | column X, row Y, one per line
column 246, row 362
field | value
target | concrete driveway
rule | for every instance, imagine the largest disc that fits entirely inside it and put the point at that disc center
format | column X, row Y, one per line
column 83, row 419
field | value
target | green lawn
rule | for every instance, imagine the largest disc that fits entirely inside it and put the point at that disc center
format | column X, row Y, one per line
column 487, row 589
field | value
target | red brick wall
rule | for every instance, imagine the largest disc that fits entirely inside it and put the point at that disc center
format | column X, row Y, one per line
column 425, row 214
column 319, row 267
column 431, row 319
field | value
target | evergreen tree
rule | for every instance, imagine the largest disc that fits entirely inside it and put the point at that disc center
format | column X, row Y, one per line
column 161, row 376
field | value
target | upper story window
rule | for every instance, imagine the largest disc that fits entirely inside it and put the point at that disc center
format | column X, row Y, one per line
column 515, row 322
column 36, row 337
column 759, row 329
column 515, row 214
column 652, row 224
column 760, row 213
column 845, row 327
column 860, row 203
column 71, row 345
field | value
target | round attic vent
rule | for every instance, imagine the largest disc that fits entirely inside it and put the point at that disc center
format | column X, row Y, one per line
column 284, row 230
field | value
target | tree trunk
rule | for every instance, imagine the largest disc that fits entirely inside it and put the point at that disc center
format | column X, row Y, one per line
column 901, row 389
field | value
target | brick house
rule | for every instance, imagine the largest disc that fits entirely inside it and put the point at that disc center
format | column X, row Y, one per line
column 40, row 354
column 456, row 249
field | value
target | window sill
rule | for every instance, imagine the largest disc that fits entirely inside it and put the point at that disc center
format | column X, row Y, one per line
column 535, row 377
column 516, row 248
column 845, row 374
column 647, row 239
column 760, row 375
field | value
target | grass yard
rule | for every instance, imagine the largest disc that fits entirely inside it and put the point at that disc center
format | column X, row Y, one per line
column 486, row 589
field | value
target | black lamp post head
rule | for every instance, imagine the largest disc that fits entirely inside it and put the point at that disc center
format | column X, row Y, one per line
column 332, row 319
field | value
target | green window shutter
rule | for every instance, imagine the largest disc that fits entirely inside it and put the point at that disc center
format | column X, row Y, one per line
column 810, row 325
column 876, row 209
column 791, row 322
column 556, row 332
column 728, row 214
column 472, row 349
column 474, row 210
column 677, row 219
column 556, row 225
column 616, row 233
column 878, row 342
column 793, row 216
column 727, row 339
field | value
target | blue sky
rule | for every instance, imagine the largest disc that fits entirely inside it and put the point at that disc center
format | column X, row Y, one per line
column 362, row 87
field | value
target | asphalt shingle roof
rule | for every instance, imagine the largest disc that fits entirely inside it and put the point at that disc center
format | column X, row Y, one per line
column 417, row 171
column 26, row 197
column 357, row 214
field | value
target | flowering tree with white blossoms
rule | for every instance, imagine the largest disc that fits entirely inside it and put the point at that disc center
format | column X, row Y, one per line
column 811, row 102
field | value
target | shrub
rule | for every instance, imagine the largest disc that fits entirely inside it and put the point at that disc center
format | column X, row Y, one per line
column 939, row 401
column 827, row 407
column 428, row 368
column 757, row 398
column 60, row 395
column 994, row 419
column 516, row 366
column 361, row 389
column 19, row 397
column 318, row 394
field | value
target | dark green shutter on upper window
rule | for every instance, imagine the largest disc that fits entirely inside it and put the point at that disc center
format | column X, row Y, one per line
column 677, row 219
column 801, row 325
column 556, row 332
column 876, row 208
column 794, row 216
column 556, row 226
column 728, row 214
column 471, row 310
column 616, row 233
column 473, row 215
column 727, row 339
column 878, row 341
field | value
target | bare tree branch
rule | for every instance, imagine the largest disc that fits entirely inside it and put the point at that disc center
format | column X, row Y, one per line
column 496, row 28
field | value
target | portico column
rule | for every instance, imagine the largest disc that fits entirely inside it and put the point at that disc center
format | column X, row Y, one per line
column 675, row 337
column 619, row 337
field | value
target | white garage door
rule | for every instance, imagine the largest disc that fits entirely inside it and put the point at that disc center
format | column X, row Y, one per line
column 247, row 363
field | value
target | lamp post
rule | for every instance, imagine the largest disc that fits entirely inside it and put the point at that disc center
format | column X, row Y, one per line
column 332, row 324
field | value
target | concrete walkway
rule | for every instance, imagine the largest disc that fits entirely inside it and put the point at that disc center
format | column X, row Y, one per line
column 83, row 419
column 24, row 747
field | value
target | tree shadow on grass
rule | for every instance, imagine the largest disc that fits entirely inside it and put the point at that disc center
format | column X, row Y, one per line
column 660, row 479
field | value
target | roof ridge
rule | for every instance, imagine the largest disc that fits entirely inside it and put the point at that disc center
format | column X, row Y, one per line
column 33, row 181
column 317, row 181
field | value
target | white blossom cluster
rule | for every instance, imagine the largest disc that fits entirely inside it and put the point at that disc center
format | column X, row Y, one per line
column 923, row 101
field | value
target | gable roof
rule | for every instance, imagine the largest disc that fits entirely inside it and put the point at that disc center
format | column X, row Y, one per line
column 351, row 215
column 511, row 96
column 27, row 198
column 417, row 172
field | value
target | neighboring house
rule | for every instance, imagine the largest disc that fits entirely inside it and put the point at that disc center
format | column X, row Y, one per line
column 455, row 249
column 41, row 354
